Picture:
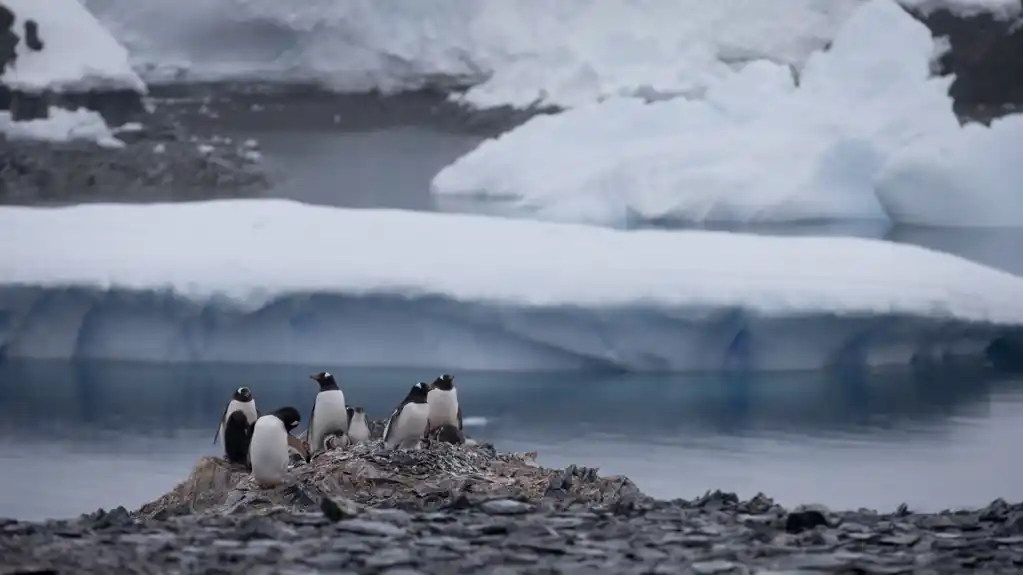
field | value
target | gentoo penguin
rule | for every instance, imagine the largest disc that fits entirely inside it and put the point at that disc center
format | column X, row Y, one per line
column 329, row 415
column 410, row 420
column 237, row 433
column 358, row 429
column 268, row 450
column 240, row 401
column 443, row 402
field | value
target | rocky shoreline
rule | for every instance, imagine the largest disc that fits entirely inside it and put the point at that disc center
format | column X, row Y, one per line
column 467, row 508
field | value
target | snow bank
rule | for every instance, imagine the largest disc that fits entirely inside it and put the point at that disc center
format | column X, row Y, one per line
column 278, row 281
column 61, row 126
column 757, row 149
column 78, row 53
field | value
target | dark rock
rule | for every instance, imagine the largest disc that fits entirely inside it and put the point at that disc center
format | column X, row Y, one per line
column 800, row 521
column 986, row 56
column 339, row 509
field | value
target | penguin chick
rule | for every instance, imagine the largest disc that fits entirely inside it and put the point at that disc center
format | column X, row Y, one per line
column 410, row 420
column 358, row 428
column 328, row 415
column 242, row 401
column 268, row 449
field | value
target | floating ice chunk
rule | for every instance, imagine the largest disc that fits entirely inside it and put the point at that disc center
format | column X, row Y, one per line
column 61, row 126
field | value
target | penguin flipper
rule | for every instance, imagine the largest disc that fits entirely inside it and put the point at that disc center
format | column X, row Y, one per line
column 459, row 418
column 309, row 429
column 220, row 427
column 392, row 419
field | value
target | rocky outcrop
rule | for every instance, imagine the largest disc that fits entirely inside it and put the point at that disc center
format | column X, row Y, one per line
column 986, row 55
column 439, row 476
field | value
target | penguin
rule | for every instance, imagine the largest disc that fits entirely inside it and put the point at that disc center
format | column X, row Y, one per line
column 410, row 421
column 269, row 448
column 32, row 36
column 240, row 401
column 358, row 429
column 237, row 432
column 443, row 402
column 329, row 415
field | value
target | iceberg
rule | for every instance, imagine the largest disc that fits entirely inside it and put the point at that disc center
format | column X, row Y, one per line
column 273, row 281
column 760, row 148
column 79, row 54
column 516, row 53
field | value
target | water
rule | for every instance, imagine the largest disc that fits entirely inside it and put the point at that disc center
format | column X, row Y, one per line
column 80, row 436
column 72, row 437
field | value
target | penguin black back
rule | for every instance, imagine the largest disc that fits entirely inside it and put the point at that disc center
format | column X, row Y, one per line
column 237, row 434
column 326, row 381
column 289, row 415
column 444, row 383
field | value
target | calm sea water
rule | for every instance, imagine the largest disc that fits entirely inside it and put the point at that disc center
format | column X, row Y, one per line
column 74, row 437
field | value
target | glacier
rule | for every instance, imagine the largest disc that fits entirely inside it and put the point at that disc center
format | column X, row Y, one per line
column 516, row 53
column 274, row 281
column 79, row 54
column 864, row 133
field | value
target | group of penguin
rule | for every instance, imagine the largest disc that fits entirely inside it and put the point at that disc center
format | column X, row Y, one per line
column 264, row 444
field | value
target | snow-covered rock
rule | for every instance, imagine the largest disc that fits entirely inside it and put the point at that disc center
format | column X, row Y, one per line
column 79, row 54
column 760, row 149
column 61, row 126
column 278, row 281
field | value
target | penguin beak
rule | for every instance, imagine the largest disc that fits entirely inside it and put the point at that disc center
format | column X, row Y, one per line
column 315, row 377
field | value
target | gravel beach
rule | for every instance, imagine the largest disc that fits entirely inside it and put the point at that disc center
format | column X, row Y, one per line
column 469, row 509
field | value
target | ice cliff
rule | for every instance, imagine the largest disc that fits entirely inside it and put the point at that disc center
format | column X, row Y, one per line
column 276, row 281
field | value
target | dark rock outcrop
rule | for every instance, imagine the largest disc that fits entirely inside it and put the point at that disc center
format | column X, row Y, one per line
column 986, row 56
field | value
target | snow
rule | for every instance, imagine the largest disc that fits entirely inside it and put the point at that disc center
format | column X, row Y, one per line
column 758, row 148
column 78, row 53
column 972, row 179
column 61, row 126
column 280, row 281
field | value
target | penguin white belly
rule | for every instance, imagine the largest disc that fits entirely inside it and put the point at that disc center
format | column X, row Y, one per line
column 443, row 407
column 268, row 451
column 329, row 416
column 358, row 430
column 409, row 426
column 246, row 407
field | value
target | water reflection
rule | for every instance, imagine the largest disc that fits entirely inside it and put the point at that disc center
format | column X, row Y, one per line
column 76, row 436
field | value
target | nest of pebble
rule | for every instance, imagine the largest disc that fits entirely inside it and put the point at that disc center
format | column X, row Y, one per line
column 436, row 476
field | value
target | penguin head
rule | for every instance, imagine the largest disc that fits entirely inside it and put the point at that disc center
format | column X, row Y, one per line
column 243, row 394
column 289, row 416
column 418, row 392
column 444, row 383
column 325, row 379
